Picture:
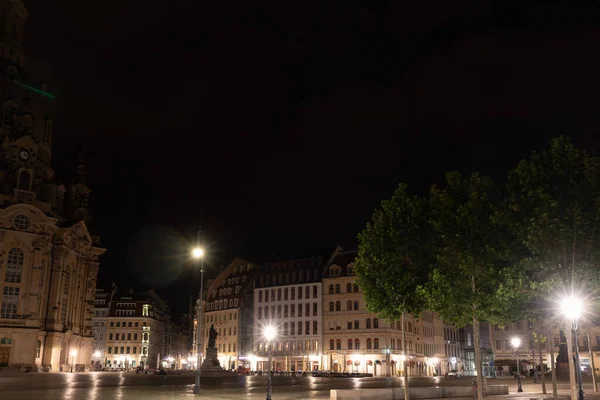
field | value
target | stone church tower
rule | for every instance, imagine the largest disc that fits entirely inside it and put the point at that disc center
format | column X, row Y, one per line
column 48, row 259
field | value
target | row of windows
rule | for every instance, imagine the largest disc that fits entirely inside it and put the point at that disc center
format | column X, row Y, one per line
column 291, row 345
column 292, row 326
column 288, row 293
column 224, row 331
column 125, row 313
column 227, row 346
column 334, row 325
column 128, row 350
column 127, row 336
column 221, row 317
column 338, row 306
column 353, row 344
column 220, row 304
column 338, row 289
column 291, row 309
column 125, row 324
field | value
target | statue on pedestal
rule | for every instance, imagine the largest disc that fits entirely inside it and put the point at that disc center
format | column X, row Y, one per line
column 212, row 337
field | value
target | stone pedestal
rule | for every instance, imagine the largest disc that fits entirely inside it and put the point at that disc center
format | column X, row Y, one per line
column 211, row 362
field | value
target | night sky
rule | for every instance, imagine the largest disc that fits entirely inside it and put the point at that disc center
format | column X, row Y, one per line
column 279, row 126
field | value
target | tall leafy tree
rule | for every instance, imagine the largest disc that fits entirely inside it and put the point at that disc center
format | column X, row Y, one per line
column 476, row 276
column 555, row 212
column 394, row 258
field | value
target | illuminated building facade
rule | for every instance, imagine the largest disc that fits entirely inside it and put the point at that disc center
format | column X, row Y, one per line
column 288, row 295
column 48, row 259
column 228, row 308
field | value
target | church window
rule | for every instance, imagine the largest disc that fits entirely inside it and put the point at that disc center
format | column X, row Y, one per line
column 24, row 179
column 65, row 296
column 14, row 265
column 8, row 114
column 21, row 222
column 10, row 299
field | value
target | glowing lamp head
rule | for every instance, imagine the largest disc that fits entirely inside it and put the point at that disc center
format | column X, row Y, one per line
column 571, row 307
column 515, row 342
column 269, row 332
column 97, row 354
column 197, row 252
column 73, row 353
column 435, row 360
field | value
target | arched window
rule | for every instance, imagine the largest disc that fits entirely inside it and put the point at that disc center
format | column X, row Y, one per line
column 338, row 344
column 338, row 306
column 349, row 344
column 349, row 305
column 368, row 323
column 14, row 265
column 330, row 289
column 350, row 270
column 376, row 343
column 369, row 344
column 337, row 288
column 375, row 323
column 235, row 302
column 24, row 179
column 331, row 306
column 230, row 302
column 356, row 305
column 355, row 287
column 356, row 344
column 349, row 287
column 65, row 295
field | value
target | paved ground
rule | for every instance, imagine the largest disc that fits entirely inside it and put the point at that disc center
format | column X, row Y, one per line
column 128, row 386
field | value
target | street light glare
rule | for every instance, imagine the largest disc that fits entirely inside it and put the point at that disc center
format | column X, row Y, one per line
column 571, row 307
column 269, row 332
column 73, row 353
column 516, row 342
column 197, row 252
column 97, row 354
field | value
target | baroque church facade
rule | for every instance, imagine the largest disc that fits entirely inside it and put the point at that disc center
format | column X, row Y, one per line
column 48, row 259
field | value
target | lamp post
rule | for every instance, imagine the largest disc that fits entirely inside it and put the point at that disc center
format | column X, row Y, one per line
column 571, row 308
column 73, row 354
column 516, row 342
column 97, row 357
column 198, row 254
column 269, row 333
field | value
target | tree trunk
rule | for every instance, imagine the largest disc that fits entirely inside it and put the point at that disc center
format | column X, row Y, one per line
column 405, row 358
column 552, row 360
column 542, row 368
column 477, row 346
column 572, row 380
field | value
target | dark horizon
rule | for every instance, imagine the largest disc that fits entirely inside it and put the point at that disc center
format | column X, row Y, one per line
column 281, row 128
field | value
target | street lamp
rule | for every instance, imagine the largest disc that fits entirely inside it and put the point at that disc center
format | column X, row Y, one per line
column 571, row 307
column 73, row 354
column 198, row 254
column 269, row 334
column 516, row 342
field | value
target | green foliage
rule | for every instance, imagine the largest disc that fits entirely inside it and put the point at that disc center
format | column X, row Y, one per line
column 554, row 211
column 395, row 256
column 476, row 266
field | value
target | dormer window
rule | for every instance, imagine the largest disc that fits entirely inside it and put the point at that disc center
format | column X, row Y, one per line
column 334, row 270
column 350, row 269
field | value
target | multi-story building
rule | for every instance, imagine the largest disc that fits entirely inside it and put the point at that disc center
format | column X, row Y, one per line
column 138, row 332
column 288, row 296
column 228, row 308
column 355, row 339
column 452, row 353
column 100, row 324
column 48, row 259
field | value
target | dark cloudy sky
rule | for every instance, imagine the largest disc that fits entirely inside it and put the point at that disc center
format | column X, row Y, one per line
column 278, row 126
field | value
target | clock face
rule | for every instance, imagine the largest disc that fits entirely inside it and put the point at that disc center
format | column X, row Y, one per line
column 24, row 155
